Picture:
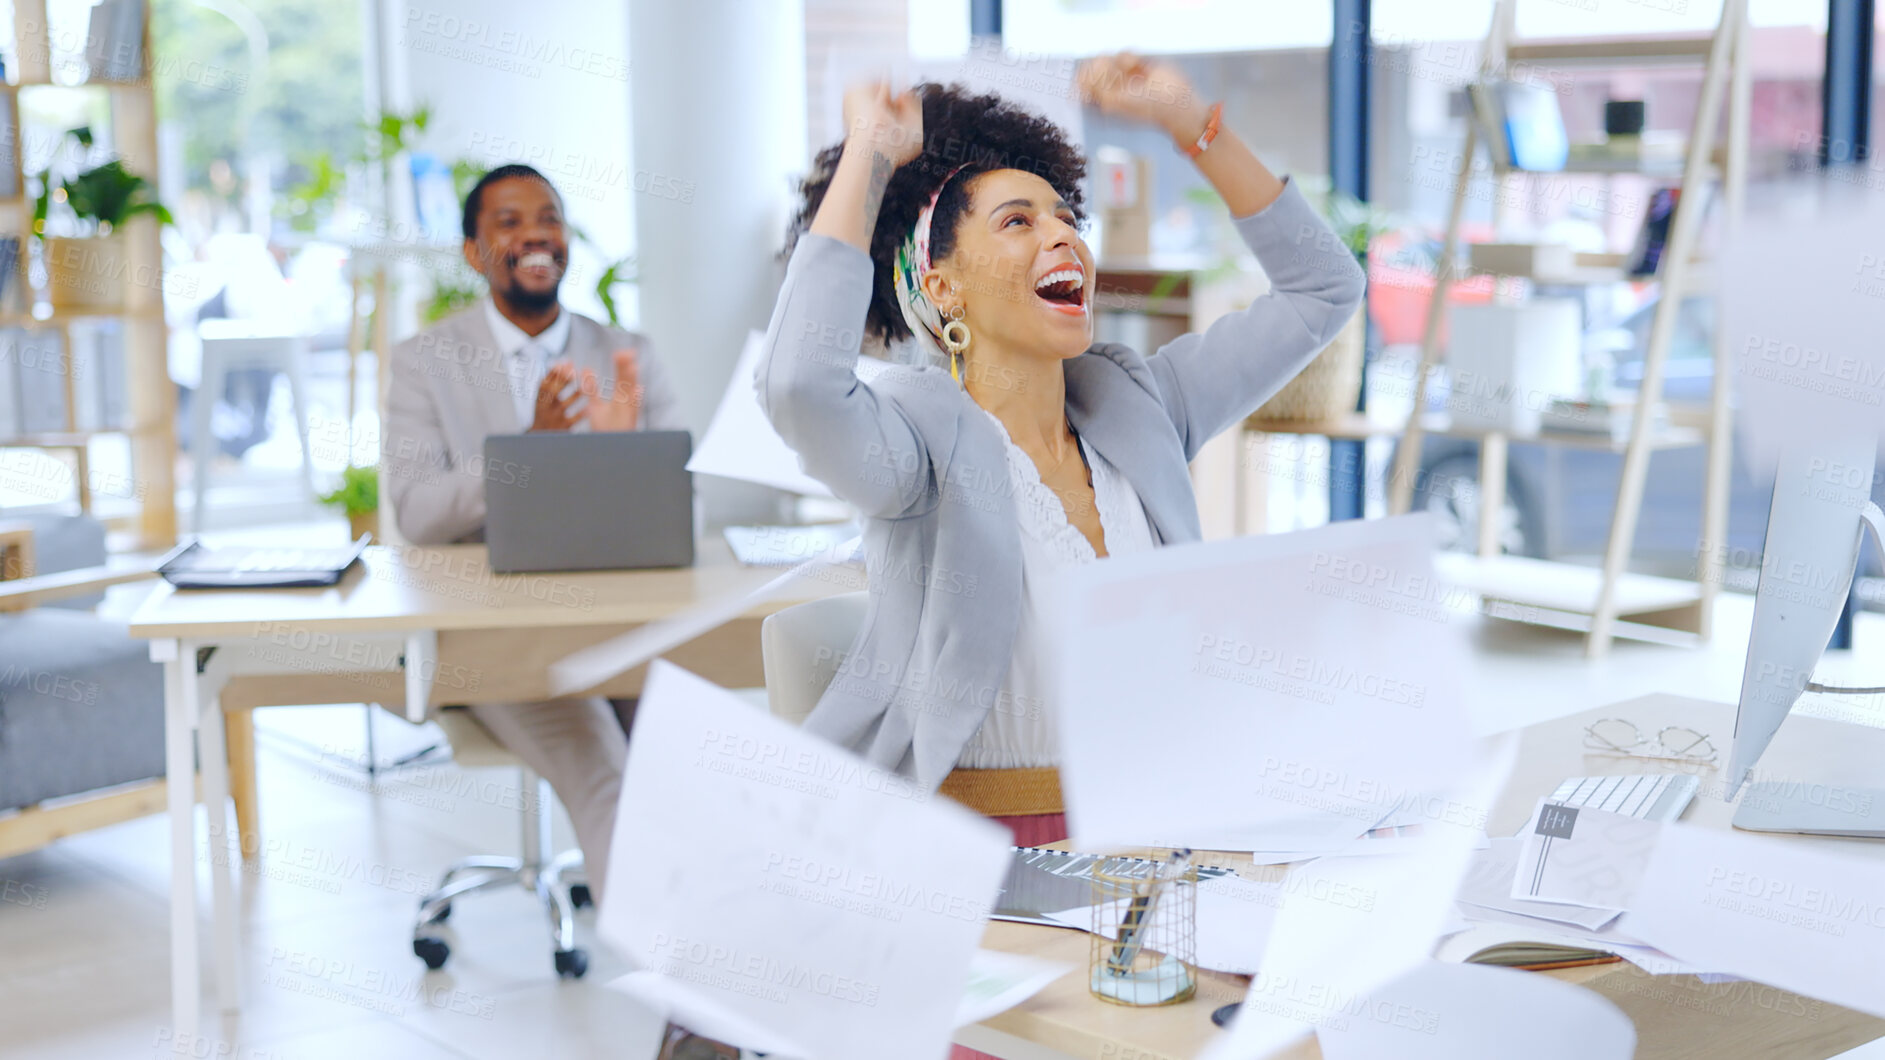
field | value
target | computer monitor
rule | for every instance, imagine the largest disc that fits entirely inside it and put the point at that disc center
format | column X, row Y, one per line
column 1822, row 503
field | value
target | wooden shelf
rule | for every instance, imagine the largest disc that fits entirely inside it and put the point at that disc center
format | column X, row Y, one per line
column 53, row 439
column 61, row 316
column 1357, row 427
column 1562, row 587
column 1622, row 50
column 1605, row 599
column 142, row 84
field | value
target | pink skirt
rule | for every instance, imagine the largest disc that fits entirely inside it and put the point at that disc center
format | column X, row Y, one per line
column 1031, row 831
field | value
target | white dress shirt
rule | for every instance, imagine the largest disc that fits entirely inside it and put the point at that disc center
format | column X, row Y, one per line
column 1020, row 730
column 526, row 357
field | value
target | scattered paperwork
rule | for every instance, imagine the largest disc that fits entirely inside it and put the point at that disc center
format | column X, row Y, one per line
column 1349, row 926
column 1233, row 922
column 1488, row 887
column 1801, row 917
column 1449, row 1011
column 1287, row 692
column 1583, row 857
column 999, row 981
column 779, row 883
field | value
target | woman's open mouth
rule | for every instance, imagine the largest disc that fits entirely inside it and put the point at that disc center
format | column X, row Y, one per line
column 1064, row 290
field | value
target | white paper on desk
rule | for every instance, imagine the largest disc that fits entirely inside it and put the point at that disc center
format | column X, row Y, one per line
column 1577, row 855
column 1292, row 685
column 740, row 442
column 1233, row 919
column 599, row 662
column 1488, row 885
column 1348, row 926
column 1397, row 832
column 1805, row 918
column 1449, row 1011
column 999, row 981
column 780, row 877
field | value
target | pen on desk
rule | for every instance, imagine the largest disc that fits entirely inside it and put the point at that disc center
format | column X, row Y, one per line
column 1138, row 914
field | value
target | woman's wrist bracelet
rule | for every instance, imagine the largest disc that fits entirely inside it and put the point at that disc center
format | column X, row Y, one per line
column 1213, row 121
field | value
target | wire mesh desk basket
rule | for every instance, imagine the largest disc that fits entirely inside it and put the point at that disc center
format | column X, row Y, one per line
column 1145, row 927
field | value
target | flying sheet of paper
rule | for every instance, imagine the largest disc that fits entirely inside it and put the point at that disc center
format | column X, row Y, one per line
column 740, row 442
column 1286, row 691
column 773, row 875
column 999, row 981
column 1233, row 919
column 1448, row 1011
column 1488, row 885
column 1579, row 856
column 589, row 667
column 1806, row 918
column 1348, row 926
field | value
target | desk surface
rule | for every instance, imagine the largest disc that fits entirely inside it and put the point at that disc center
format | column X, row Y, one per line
column 398, row 590
column 1675, row 1016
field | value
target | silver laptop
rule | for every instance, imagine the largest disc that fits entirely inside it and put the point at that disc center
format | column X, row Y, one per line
column 615, row 500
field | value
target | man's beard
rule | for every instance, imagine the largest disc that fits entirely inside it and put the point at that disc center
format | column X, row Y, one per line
column 533, row 301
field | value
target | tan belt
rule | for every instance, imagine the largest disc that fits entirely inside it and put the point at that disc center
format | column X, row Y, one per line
column 1006, row 792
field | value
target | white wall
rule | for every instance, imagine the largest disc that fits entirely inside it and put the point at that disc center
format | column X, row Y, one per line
column 718, row 105
column 545, row 84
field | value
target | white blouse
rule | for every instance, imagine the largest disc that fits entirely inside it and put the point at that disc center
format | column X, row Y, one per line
column 1020, row 729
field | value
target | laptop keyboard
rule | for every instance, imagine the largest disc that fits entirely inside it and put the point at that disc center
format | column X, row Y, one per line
column 1633, row 795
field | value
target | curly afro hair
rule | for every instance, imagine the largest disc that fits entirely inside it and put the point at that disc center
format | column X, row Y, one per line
column 981, row 133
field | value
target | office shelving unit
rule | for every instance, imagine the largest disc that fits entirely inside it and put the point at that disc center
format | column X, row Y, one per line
column 1610, row 601
column 149, row 401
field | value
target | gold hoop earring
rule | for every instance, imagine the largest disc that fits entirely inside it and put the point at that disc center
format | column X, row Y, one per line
column 955, row 336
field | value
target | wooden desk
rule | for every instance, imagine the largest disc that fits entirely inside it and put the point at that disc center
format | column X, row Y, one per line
column 1677, row 1017
column 414, row 626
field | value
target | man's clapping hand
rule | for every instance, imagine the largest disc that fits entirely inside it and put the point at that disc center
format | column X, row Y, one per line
column 619, row 407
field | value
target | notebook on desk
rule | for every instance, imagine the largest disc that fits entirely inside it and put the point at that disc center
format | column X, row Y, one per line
column 195, row 565
column 1040, row 882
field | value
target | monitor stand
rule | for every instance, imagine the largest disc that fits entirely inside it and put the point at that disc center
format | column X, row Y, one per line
column 1806, row 807
column 1809, row 808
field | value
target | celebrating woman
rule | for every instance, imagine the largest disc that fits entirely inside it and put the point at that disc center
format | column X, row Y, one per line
column 953, row 220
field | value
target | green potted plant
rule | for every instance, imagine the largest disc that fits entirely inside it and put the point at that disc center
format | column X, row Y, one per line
column 359, row 496
column 92, row 269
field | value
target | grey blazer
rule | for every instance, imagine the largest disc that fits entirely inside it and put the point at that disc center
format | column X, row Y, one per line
column 450, row 389
column 929, row 471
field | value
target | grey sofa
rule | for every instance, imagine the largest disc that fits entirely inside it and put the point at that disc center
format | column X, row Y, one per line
column 81, row 704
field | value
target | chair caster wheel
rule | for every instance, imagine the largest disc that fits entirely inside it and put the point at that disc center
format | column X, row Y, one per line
column 570, row 964
column 433, row 951
column 580, row 897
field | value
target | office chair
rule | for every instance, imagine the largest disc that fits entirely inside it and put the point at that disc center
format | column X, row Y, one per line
column 790, row 640
column 534, row 870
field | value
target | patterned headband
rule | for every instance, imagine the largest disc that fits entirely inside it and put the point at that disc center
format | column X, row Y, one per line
column 919, row 313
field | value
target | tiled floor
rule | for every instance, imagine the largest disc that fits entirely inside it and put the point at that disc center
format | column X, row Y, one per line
column 327, row 970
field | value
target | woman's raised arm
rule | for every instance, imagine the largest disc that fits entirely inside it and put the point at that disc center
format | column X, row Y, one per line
column 847, row 435
column 1212, row 379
